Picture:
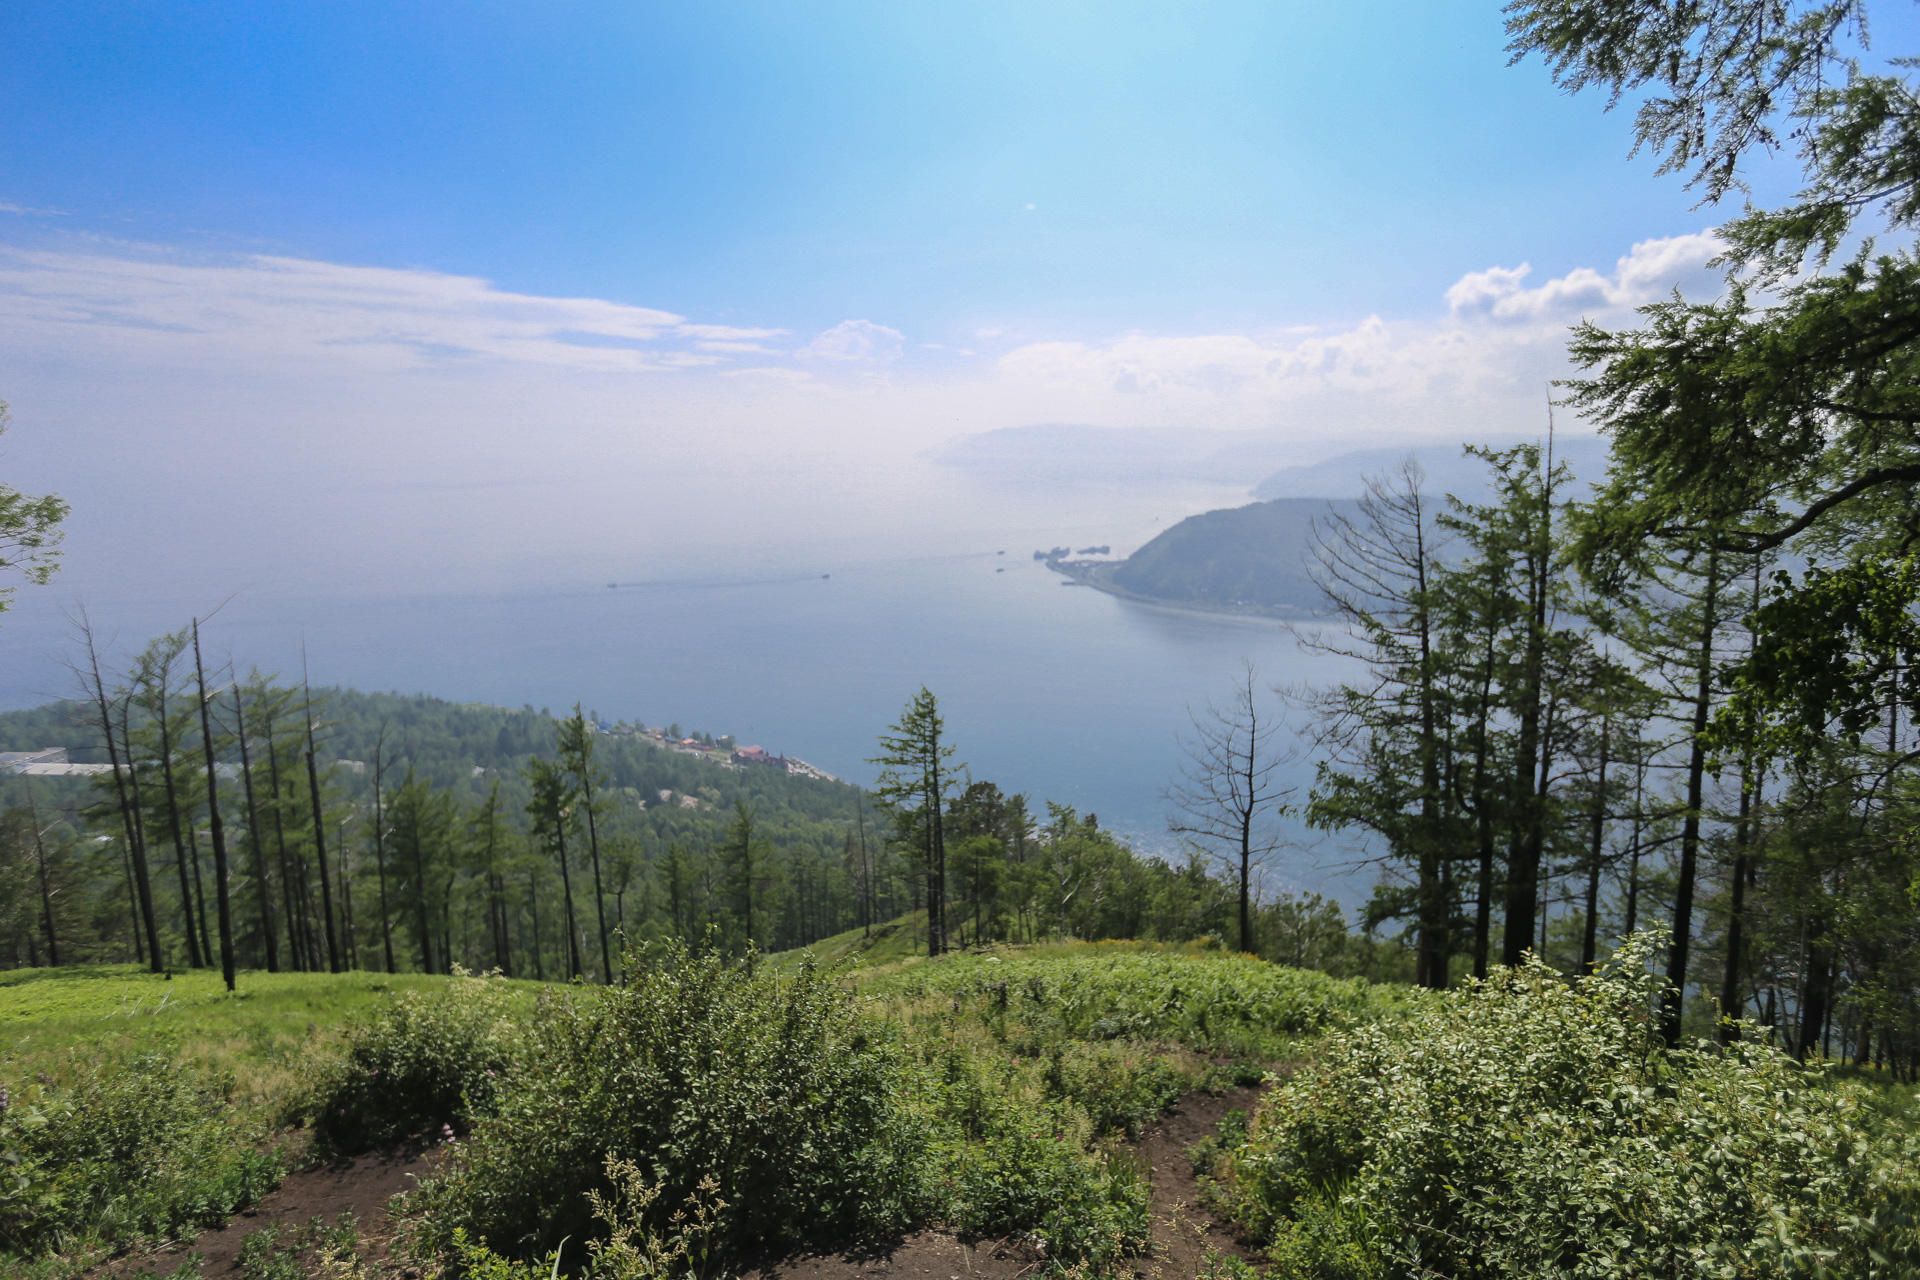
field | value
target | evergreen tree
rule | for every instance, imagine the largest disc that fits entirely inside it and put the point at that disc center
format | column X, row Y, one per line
column 916, row 782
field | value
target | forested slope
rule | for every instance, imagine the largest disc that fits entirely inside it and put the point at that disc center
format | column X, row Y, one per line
column 1251, row 558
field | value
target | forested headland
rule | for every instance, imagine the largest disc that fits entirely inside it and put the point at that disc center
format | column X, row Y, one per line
column 1254, row 559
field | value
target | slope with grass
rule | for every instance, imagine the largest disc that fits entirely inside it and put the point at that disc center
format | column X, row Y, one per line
column 139, row 1107
column 716, row 1114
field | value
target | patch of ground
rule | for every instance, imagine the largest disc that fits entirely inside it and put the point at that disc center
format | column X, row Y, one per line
column 1184, row 1231
column 361, row 1186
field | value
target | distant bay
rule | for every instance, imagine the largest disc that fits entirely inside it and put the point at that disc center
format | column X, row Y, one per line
column 1055, row 690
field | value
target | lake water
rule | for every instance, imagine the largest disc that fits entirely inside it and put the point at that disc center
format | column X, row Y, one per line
column 811, row 650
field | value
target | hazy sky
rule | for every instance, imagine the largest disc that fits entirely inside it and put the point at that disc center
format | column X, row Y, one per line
column 375, row 296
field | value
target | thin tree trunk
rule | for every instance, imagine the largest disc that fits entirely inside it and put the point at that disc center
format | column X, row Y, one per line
column 422, row 903
column 320, row 855
column 1526, row 847
column 133, row 910
column 261, row 886
column 199, row 889
column 937, row 882
column 194, row 957
column 866, row 868
column 215, row 832
column 1730, row 1002
column 46, row 888
column 292, row 891
column 1589, row 942
column 380, row 846
column 599, row 893
column 533, row 906
column 1690, row 827
column 566, row 888
column 1633, row 851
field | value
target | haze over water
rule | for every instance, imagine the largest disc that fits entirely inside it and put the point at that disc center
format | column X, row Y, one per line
column 810, row 648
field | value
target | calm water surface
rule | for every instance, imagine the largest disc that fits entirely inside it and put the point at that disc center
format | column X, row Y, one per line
column 1057, row 691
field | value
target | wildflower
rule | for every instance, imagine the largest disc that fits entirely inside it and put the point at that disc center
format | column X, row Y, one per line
column 4, row 1100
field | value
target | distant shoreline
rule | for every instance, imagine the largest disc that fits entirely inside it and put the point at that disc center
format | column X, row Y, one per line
column 1098, row 574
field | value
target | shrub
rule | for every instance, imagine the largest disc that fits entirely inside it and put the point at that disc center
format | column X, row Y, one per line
column 142, row 1144
column 1009, row 1158
column 422, row 1059
column 1525, row 1126
column 769, row 1085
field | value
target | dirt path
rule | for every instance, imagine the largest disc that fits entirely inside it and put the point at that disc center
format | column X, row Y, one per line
column 1183, row 1231
column 361, row 1186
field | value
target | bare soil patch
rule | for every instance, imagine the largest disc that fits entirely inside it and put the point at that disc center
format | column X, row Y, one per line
column 362, row 1186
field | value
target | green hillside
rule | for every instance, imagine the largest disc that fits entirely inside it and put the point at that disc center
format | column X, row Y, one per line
column 1252, row 558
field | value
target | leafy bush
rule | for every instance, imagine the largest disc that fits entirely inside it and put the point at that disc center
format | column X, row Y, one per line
column 1526, row 1126
column 771, row 1086
column 142, row 1144
column 421, row 1059
column 1011, row 1156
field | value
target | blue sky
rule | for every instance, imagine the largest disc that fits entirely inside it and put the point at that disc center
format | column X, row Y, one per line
column 1068, row 169
column 351, row 280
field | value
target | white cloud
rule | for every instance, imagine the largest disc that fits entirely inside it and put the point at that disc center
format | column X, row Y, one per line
column 1485, row 364
column 855, row 340
column 264, row 304
column 1486, row 357
column 1651, row 269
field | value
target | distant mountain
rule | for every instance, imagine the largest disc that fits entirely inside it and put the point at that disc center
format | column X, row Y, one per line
column 1060, row 452
column 1448, row 468
column 1250, row 559
column 1052, row 452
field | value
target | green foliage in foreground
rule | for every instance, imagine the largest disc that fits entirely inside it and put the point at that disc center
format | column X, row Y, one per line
column 140, row 1145
column 1528, row 1127
column 701, row 1068
column 139, row 1107
column 771, row 1107
column 426, row 1058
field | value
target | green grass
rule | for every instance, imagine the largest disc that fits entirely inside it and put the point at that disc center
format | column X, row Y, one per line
column 55, row 1020
column 1206, row 1000
column 165, row 1101
column 899, row 939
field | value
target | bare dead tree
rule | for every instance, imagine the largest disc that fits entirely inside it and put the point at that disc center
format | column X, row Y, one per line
column 1229, row 797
